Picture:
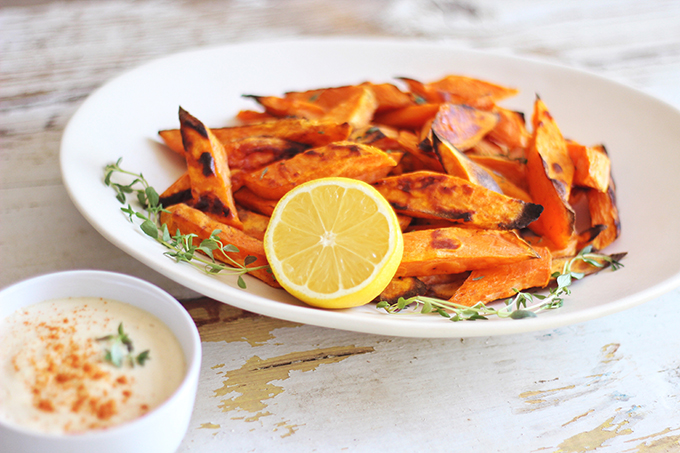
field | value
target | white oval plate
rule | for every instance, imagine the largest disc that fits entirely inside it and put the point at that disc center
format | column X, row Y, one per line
column 641, row 133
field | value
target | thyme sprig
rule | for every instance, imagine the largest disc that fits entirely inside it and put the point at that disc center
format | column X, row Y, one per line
column 121, row 350
column 522, row 305
column 181, row 247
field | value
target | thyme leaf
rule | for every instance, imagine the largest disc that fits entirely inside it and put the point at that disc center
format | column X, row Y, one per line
column 121, row 348
column 180, row 246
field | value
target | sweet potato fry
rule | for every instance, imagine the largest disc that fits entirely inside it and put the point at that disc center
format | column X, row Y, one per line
column 443, row 286
column 604, row 211
column 254, row 224
column 487, row 285
column 411, row 117
column 208, row 171
column 550, row 174
column 389, row 96
column 348, row 159
column 252, row 116
column 455, row 250
column 462, row 126
column 460, row 89
column 287, row 107
column 425, row 154
column 357, row 109
column 192, row 221
column 510, row 131
column 299, row 130
column 436, row 195
column 248, row 199
column 591, row 165
column 178, row 192
column 402, row 287
column 514, row 170
column 456, row 163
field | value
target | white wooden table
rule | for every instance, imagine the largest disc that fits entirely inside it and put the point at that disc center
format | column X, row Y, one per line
column 607, row 385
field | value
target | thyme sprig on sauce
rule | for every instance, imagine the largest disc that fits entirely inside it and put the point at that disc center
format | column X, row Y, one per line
column 181, row 247
column 522, row 305
column 120, row 351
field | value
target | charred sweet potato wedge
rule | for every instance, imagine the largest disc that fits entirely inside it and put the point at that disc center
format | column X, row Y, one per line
column 433, row 195
column 192, row 221
column 298, row 130
column 456, row 163
column 246, row 198
column 455, row 250
column 498, row 282
column 411, row 117
column 461, row 90
column 514, row 170
column 510, row 130
column 462, row 126
column 178, row 192
column 208, row 171
column 402, row 287
column 383, row 137
column 348, row 159
column 604, row 211
column 550, row 175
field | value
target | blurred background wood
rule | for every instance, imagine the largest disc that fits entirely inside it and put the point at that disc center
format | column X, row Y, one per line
column 609, row 385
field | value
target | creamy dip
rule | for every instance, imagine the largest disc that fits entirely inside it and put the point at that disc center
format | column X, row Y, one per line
column 53, row 374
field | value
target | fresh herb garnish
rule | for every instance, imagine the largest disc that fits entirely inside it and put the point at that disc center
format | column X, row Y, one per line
column 522, row 305
column 121, row 349
column 181, row 246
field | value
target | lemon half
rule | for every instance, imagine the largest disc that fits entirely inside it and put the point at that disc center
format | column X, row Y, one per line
column 334, row 242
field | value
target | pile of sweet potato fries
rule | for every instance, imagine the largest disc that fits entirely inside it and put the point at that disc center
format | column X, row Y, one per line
column 487, row 203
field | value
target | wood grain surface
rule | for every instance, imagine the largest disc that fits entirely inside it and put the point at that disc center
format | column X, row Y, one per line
column 608, row 385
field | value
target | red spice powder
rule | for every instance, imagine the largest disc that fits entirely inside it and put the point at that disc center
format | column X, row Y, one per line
column 68, row 375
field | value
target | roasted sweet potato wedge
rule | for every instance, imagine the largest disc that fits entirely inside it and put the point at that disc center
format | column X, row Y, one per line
column 433, row 195
column 357, row 110
column 402, row 287
column 389, row 97
column 299, row 130
column 604, row 211
column 591, row 165
column 461, row 90
column 510, row 131
column 411, row 117
column 456, row 163
column 514, row 170
column 287, row 107
column 246, row 198
column 254, row 224
column 487, row 285
column 192, row 221
column 550, row 173
column 383, row 137
column 348, row 159
column 178, row 192
column 208, row 171
column 462, row 126
column 455, row 250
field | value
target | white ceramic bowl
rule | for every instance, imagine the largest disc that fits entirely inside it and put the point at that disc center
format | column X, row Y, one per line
column 159, row 431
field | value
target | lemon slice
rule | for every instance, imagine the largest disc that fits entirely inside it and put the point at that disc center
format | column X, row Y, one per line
column 334, row 242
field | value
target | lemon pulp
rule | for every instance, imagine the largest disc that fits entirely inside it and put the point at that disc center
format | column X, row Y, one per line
column 334, row 242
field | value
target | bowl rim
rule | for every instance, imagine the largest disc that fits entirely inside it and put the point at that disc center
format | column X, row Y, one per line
column 191, row 348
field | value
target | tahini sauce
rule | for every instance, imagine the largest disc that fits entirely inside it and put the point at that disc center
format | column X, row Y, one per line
column 53, row 377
